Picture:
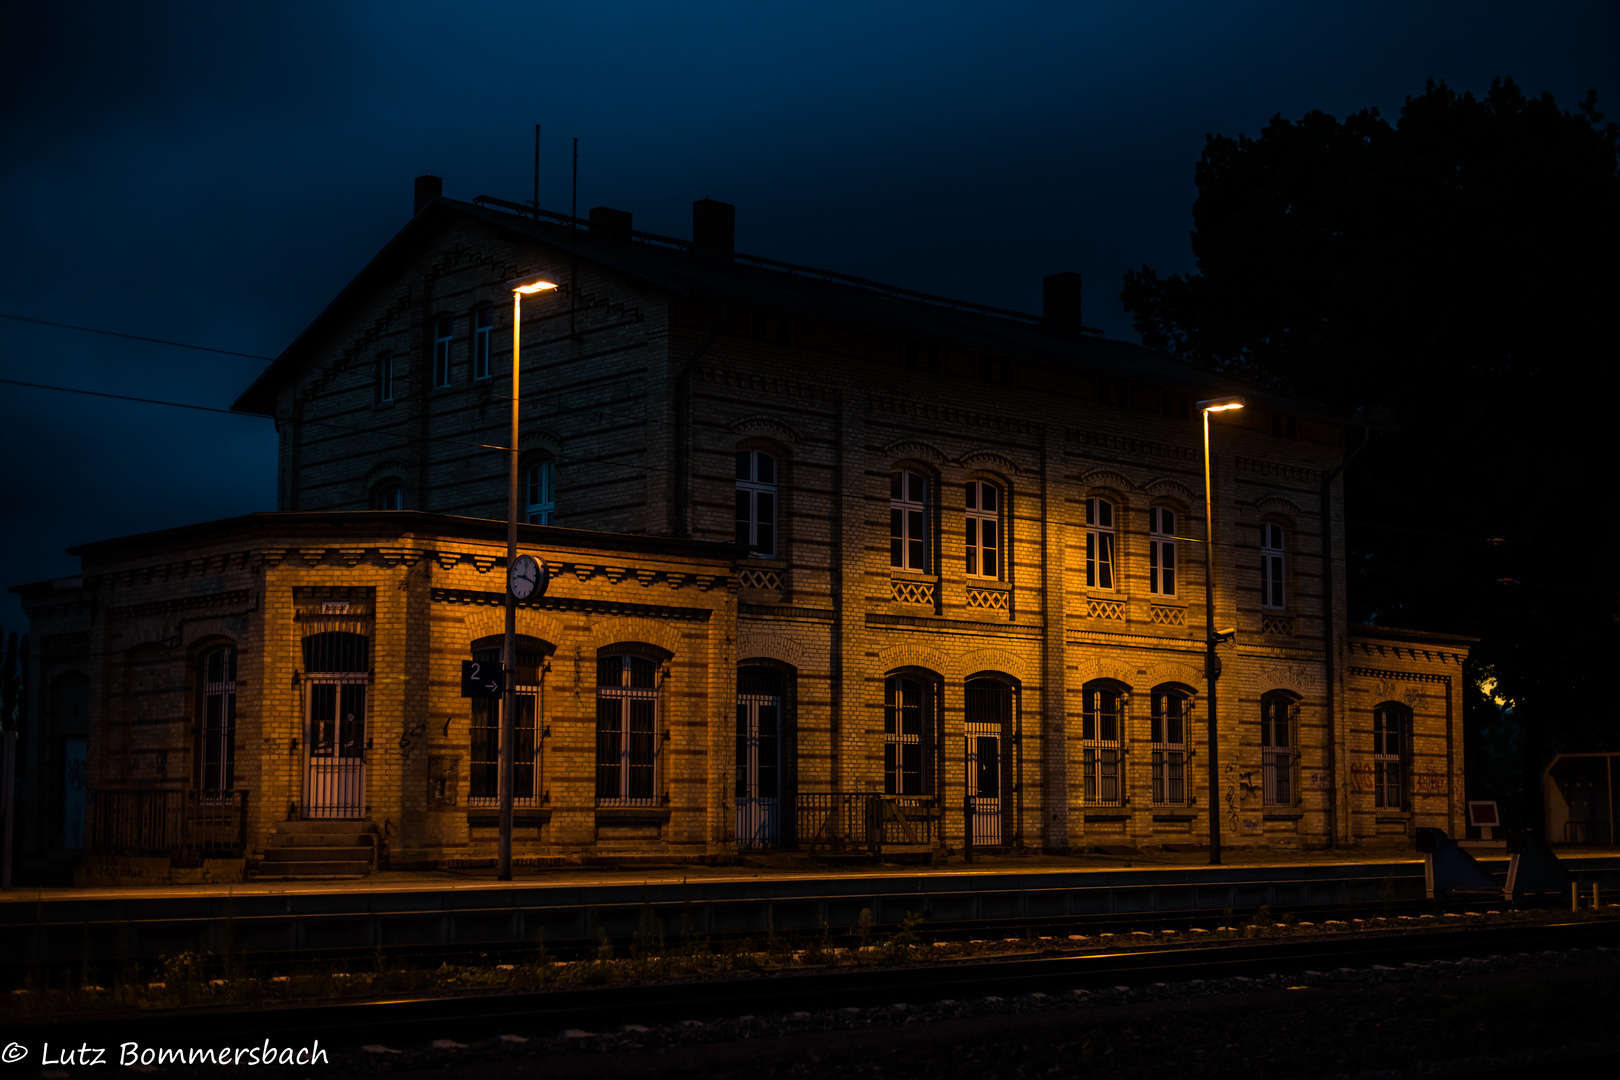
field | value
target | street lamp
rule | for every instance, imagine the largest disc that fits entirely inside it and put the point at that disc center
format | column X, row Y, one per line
column 525, row 286
column 1211, row 638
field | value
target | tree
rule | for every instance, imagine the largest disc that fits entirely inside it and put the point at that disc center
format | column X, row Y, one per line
column 1450, row 279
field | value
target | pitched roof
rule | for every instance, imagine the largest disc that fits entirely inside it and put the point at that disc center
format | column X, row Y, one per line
column 675, row 266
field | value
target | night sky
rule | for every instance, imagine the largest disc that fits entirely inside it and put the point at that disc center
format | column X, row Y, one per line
column 214, row 173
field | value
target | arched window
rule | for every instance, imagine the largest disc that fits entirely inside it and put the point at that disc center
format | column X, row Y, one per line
column 1099, row 544
column 1102, row 743
column 1271, row 566
column 1392, row 737
column 443, row 336
column 908, row 521
column 388, row 495
column 1161, row 551
column 482, row 340
column 908, row 723
column 1168, row 733
column 216, row 715
column 983, row 529
column 986, row 728
column 484, row 754
column 540, row 492
column 626, row 716
column 1278, row 712
column 760, row 692
column 756, row 502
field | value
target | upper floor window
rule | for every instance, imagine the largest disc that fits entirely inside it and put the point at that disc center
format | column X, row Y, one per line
column 1276, row 749
column 983, row 534
column 443, row 335
column 388, row 496
column 756, row 502
column 483, row 339
column 1161, row 551
column 908, row 521
column 1271, row 566
column 385, row 378
column 626, row 711
column 1168, row 730
column 1102, row 745
column 1391, row 738
column 540, row 493
column 1099, row 544
column 907, row 723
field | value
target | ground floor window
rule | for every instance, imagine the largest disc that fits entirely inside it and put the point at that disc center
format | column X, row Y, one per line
column 1392, row 725
column 907, row 718
column 1277, row 749
column 626, row 715
column 484, row 754
column 1102, row 744
column 1169, row 746
column 217, row 720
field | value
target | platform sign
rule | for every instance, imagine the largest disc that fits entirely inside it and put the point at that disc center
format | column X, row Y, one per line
column 1482, row 813
column 482, row 679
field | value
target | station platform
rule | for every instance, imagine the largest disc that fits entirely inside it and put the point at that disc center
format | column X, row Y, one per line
column 780, row 892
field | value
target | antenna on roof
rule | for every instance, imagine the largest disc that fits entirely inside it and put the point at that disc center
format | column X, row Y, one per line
column 573, row 207
column 535, row 202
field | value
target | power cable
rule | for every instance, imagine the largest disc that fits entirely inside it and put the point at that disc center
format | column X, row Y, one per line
column 133, row 337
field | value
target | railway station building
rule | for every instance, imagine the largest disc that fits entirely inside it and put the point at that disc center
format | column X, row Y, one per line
column 832, row 565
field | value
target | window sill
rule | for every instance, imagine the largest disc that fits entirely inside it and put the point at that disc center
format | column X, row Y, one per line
column 1281, row 817
column 1105, row 818
column 1173, row 819
column 484, row 816
column 632, row 814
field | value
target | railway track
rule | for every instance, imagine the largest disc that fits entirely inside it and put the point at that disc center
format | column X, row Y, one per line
column 546, row 1013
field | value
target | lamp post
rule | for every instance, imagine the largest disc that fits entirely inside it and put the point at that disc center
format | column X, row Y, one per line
column 503, row 857
column 1211, row 638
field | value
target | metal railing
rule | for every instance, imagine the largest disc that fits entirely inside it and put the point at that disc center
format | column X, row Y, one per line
column 186, row 823
column 864, row 821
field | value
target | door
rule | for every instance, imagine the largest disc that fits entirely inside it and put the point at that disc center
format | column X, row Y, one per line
column 335, row 735
column 984, row 780
column 758, row 794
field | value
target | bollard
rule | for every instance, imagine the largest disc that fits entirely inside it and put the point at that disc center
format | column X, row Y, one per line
column 1595, row 902
column 1574, row 896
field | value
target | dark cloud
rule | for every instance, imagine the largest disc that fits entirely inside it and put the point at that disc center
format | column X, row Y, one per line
column 214, row 173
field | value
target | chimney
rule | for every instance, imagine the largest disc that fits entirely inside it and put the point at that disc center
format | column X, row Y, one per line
column 428, row 188
column 611, row 223
column 714, row 227
column 1060, row 310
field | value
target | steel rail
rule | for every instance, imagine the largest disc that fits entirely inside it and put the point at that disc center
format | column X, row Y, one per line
column 473, row 1018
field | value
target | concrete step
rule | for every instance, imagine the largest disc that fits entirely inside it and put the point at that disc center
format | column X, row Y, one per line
column 334, row 853
column 332, row 825
column 323, row 839
column 332, row 868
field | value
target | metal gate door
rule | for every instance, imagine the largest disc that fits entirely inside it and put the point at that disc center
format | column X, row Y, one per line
column 759, row 809
column 984, row 774
column 335, row 738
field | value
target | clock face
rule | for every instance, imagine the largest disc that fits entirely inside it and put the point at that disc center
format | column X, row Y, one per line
column 526, row 577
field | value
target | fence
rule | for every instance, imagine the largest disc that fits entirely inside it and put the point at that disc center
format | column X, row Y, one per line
column 167, row 823
column 865, row 821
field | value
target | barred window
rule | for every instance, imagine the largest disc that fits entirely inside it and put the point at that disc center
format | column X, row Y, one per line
column 1168, row 733
column 217, row 715
column 1392, row 725
column 385, row 378
column 484, row 754
column 1102, row 744
column 1277, row 739
column 983, row 529
column 1099, row 544
column 626, row 712
column 756, row 502
column 908, row 521
column 907, row 722
column 1271, row 566
column 1162, row 551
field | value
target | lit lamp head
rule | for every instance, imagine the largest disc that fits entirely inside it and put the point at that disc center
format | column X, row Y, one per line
column 1221, row 404
column 528, row 286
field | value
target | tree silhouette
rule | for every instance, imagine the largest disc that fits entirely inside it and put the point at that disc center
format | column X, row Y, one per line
column 1451, row 278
